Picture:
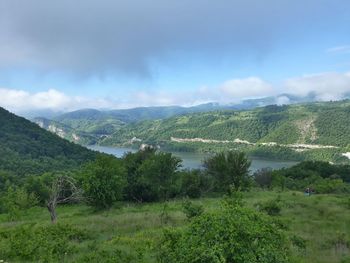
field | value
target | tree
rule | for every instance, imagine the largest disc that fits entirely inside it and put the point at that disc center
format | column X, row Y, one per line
column 41, row 186
column 103, row 181
column 63, row 190
column 263, row 177
column 193, row 183
column 132, row 162
column 151, row 175
column 157, row 177
column 229, row 169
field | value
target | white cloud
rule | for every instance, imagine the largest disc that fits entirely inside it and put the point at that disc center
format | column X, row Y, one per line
column 325, row 86
column 282, row 100
column 247, row 87
column 20, row 100
column 233, row 90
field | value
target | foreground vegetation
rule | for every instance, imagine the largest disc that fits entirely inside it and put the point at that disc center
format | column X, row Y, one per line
column 317, row 227
column 138, row 210
column 60, row 202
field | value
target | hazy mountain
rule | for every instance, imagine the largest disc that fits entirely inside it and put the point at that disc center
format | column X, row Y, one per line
column 318, row 124
column 87, row 126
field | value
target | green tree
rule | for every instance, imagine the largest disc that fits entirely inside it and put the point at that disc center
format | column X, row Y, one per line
column 263, row 177
column 132, row 162
column 40, row 186
column 157, row 176
column 103, row 181
column 151, row 175
column 193, row 183
column 229, row 169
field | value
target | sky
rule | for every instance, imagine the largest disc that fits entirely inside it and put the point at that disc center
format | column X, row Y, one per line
column 66, row 55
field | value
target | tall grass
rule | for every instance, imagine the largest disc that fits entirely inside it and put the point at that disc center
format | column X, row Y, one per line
column 321, row 222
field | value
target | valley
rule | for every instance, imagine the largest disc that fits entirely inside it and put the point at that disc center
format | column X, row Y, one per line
column 307, row 131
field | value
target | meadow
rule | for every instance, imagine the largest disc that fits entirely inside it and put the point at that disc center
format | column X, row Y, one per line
column 318, row 225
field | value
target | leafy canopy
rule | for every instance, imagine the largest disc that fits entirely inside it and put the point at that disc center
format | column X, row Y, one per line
column 103, row 181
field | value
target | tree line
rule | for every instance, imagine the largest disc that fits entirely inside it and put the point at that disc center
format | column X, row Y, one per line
column 153, row 176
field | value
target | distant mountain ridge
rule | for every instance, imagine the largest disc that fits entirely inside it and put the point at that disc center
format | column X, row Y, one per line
column 91, row 126
column 299, row 128
column 87, row 126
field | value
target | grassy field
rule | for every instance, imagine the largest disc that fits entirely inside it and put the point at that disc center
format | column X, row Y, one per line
column 131, row 232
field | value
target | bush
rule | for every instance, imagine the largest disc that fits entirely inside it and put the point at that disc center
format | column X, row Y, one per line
column 192, row 210
column 40, row 243
column 329, row 186
column 15, row 201
column 232, row 234
column 271, row 207
column 298, row 242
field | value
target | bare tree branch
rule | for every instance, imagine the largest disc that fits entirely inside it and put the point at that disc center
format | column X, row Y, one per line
column 63, row 190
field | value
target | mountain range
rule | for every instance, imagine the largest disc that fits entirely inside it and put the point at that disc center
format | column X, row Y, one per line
column 295, row 131
column 87, row 126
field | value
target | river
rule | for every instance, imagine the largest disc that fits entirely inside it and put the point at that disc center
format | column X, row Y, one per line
column 193, row 160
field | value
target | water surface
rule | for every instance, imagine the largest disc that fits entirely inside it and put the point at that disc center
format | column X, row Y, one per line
column 193, row 160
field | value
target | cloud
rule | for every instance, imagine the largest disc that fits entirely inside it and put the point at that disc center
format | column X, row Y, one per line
column 93, row 37
column 20, row 100
column 245, row 88
column 324, row 86
column 282, row 100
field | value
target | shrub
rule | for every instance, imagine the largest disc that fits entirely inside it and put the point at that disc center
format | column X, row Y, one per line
column 15, row 201
column 298, row 242
column 328, row 186
column 271, row 207
column 232, row 234
column 40, row 243
column 191, row 210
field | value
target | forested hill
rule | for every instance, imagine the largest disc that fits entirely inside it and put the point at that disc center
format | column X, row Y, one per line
column 25, row 148
column 325, row 124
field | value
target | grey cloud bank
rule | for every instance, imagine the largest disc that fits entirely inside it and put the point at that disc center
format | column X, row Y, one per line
column 104, row 37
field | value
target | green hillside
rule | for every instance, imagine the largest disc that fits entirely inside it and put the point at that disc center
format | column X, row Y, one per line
column 25, row 148
column 66, row 132
column 323, row 126
column 90, row 124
